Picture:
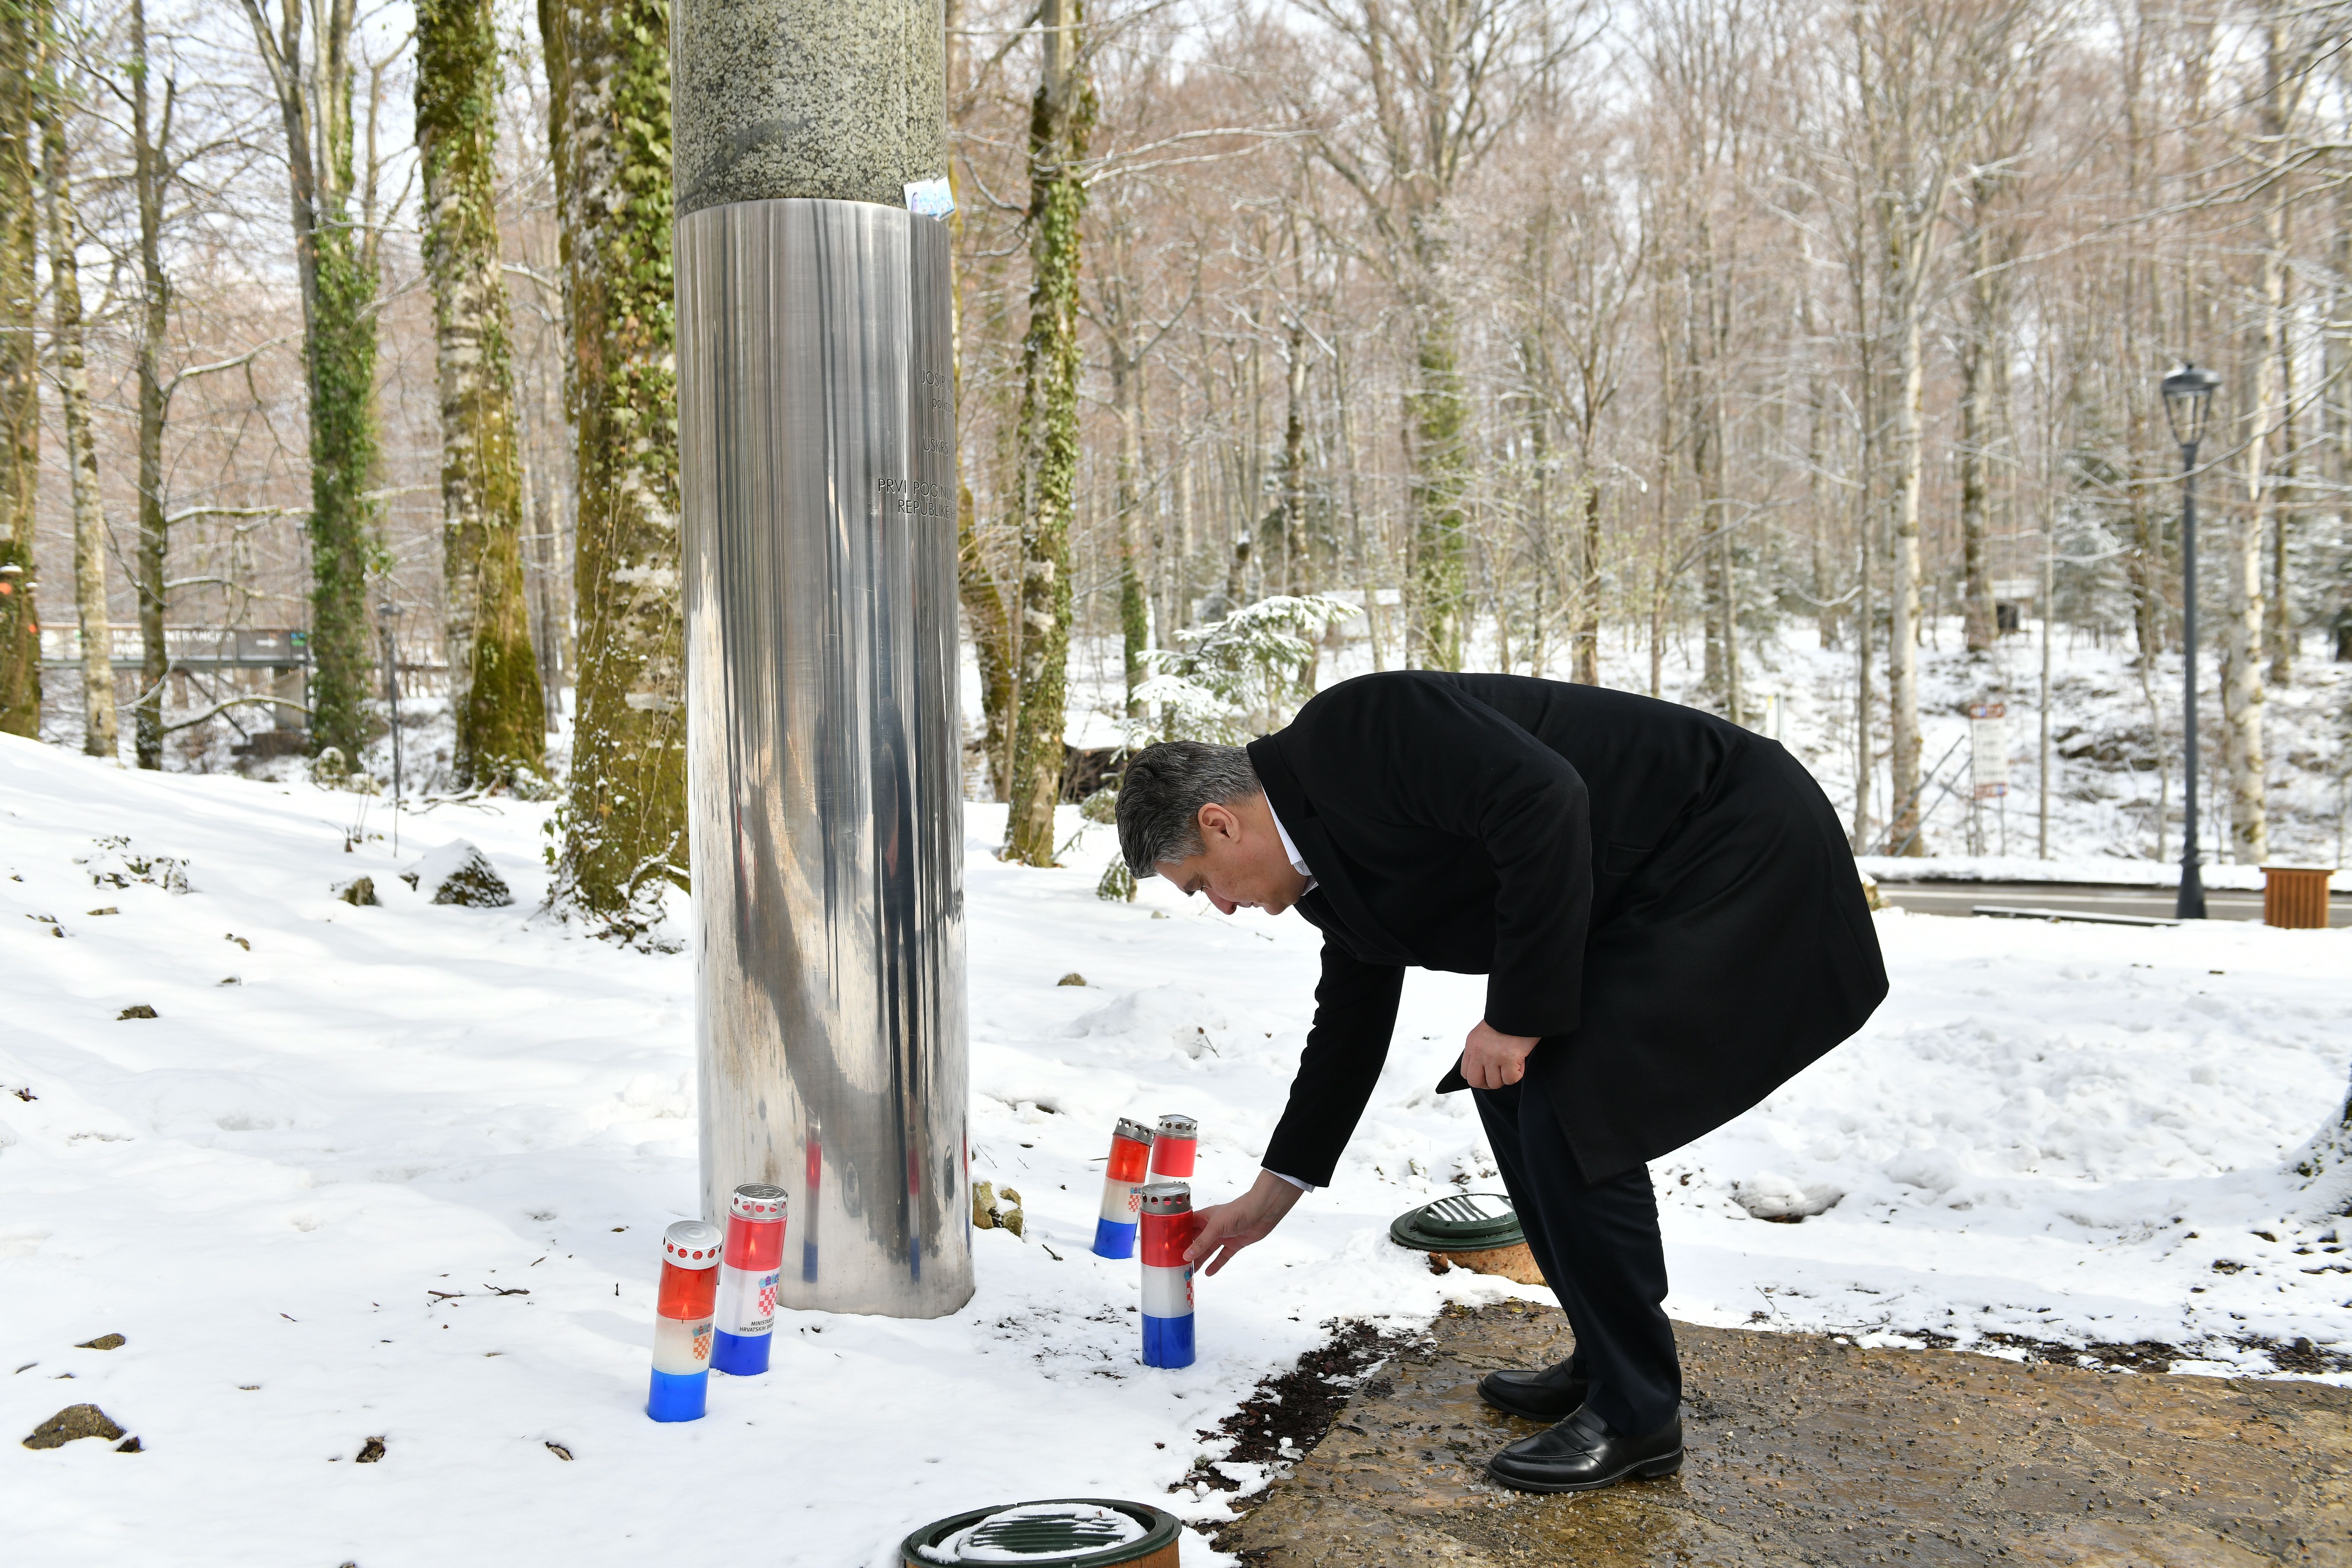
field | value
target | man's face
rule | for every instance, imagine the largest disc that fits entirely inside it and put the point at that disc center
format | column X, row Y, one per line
column 1241, row 864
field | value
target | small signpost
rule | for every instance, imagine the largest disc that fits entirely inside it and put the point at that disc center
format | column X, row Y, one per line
column 1987, row 768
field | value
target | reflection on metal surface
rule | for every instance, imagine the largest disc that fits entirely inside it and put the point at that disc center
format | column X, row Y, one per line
column 817, row 441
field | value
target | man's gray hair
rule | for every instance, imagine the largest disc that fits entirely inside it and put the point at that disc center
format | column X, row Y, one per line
column 1161, row 797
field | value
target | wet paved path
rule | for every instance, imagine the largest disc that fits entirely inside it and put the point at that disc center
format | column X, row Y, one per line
column 1802, row 1449
column 2086, row 898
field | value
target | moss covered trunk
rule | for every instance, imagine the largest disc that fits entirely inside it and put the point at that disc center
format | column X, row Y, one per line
column 624, row 822
column 342, row 373
column 1437, row 417
column 1061, row 122
column 23, row 25
column 337, row 267
column 494, row 691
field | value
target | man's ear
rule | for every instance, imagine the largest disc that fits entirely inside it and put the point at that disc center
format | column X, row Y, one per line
column 1216, row 821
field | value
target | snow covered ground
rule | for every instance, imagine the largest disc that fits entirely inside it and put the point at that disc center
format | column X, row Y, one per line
column 399, row 1172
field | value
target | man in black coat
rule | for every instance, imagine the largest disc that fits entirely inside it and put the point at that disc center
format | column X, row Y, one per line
column 1671, row 926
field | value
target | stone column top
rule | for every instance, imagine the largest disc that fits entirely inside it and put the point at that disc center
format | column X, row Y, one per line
column 774, row 99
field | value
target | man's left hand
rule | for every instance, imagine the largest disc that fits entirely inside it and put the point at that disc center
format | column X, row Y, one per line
column 1490, row 1058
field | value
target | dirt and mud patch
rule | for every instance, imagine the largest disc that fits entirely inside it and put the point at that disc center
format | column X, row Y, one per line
column 1287, row 1414
column 1807, row 1449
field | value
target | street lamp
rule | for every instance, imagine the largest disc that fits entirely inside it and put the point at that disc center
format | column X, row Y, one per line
column 2187, row 395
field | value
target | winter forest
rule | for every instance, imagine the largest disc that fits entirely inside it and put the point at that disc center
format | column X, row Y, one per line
column 1668, row 344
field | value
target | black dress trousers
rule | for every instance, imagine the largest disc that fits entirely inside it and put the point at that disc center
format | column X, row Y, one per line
column 1600, row 1253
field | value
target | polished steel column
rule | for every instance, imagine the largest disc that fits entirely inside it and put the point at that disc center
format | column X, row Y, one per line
column 816, row 455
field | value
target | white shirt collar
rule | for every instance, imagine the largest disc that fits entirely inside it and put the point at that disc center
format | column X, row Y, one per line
column 1289, row 848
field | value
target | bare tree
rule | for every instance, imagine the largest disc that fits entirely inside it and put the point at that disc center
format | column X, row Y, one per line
column 23, row 30
column 90, row 540
column 1424, row 90
column 1926, row 76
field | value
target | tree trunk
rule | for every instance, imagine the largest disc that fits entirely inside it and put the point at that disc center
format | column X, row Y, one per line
column 494, row 687
column 2243, row 755
column 1134, row 606
column 546, row 622
column 24, row 24
column 1707, row 329
column 1437, row 416
column 99, row 739
column 976, row 586
column 150, row 151
column 1979, row 347
column 1294, row 459
column 1061, row 122
column 2242, row 628
column 339, row 287
column 991, row 643
column 1903, row 594
column 2278, row 625
column 625, row 819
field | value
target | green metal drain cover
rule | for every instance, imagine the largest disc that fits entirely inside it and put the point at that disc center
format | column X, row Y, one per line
column 1067, row 1532
column 1471, row 1221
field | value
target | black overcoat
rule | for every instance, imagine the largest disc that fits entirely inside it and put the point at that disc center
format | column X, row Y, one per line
column 1664, row 898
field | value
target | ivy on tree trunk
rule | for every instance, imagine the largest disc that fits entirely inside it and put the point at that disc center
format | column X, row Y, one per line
column 493, row 673
column 1061, row 122
column 336, row 267
column 624, row 824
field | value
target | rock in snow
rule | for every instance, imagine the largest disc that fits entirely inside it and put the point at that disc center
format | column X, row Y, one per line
column 74, row 1421
column 458, row 873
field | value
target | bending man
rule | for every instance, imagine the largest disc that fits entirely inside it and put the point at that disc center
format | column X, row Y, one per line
column 1671, row 926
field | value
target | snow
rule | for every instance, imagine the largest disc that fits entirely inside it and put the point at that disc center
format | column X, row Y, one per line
column 400, row 1173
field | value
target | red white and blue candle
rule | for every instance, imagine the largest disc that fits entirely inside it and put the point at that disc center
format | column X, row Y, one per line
column 747, row 1279
column 1130, row 1157
column 1173, row 1146
column 682, row 1326
column 1169, row 1226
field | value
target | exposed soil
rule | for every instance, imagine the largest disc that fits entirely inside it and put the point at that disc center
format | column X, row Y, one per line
column 1287, row 1414
column 1812, row 1451
column 2299, row 1358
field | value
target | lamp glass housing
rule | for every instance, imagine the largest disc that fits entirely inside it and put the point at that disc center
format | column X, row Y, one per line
column 2187, row 395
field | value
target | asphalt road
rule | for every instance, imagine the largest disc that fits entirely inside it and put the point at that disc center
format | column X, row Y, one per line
column 1960, row 899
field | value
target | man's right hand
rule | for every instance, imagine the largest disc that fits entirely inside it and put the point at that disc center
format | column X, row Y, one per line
column 1226, row 1228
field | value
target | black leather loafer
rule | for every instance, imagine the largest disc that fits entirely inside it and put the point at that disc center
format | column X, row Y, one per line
column 1582, row 1455
column 1553, row 1394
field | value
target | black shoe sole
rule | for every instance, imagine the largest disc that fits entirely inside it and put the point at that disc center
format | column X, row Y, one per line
column 1648, row 1471
column 1547, row 1416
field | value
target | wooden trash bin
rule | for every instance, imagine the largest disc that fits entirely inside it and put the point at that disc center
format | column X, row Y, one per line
column 2295, row 897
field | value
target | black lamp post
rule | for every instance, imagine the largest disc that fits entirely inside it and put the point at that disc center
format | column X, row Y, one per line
column 2187, row 394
